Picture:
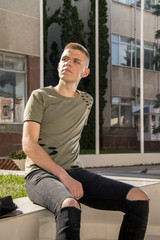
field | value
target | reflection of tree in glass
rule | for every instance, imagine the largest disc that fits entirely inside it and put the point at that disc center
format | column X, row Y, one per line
column 156, row 59
column 128, row 56
column 157, row 105
column 138, row 3
column 114, row 115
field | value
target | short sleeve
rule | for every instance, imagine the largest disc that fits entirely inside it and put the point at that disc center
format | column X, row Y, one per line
column 89, row 101
column 34, row 107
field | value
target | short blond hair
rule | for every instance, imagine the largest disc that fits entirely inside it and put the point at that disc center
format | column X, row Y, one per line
column 79, row 47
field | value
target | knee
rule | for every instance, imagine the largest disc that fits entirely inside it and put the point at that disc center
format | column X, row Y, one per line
column 137, row 194
column 70, row 202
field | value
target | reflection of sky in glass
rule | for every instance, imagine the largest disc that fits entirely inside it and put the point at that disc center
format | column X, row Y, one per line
column 20, row 85
column 115, row 54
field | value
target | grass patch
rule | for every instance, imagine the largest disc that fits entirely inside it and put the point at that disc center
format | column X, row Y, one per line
column 13, row 185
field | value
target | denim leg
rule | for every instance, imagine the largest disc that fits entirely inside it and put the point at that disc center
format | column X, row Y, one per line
column 107, row 194
column 68, row 224
column 135, row 220
column 46, row 190
column 101, row 192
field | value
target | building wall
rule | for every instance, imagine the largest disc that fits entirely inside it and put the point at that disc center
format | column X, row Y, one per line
column 19, row 30
column 33, row 74
column 20, row 34
column 123, row 82
column 123, row 17
column 123, row 78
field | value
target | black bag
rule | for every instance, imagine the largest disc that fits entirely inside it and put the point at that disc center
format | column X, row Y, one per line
column 6, row 205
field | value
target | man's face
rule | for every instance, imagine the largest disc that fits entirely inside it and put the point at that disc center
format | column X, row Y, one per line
column 73, row 65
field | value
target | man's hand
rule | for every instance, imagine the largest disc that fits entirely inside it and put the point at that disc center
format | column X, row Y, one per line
column 73, row 186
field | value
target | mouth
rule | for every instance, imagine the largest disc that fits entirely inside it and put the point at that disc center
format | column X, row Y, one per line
column 66, row 70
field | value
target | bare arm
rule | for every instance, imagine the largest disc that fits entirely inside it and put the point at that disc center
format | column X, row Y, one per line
column 41, row 158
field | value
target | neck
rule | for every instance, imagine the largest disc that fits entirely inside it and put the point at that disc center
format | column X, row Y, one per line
column 67, row 90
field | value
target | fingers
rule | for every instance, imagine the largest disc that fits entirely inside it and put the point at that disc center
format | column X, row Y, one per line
column 79, row 191
column 76, row 189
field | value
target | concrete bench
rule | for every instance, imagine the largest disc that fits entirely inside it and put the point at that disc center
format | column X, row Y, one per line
column 37, row 223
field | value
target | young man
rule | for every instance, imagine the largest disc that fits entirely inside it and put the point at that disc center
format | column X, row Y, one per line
column 53, row 121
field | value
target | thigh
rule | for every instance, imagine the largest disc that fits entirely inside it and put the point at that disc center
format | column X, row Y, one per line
column 101, row 192
column 46, row 190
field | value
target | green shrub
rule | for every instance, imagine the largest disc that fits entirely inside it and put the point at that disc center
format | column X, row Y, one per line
column 17, row 155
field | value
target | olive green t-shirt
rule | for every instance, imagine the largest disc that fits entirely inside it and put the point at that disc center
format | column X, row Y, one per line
column 61, row 122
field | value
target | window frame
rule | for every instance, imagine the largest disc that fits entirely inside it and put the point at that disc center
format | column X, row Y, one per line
column 119, row 105
column 132, row 3
column 24, row 71
column 4, row 54
column 132, row 46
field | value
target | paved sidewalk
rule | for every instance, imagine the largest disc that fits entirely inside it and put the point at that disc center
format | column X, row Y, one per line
column 137, row 171
column 6, row 172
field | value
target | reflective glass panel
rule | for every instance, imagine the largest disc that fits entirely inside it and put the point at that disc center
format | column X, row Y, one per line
column 137, row 57
column 125, row 39
column 125, row 118
column 148, row 4
column 148, row 59
column 115, row 55
column 123, row 1
column 115, row 100
column 115, row 37
column 146, row 123
column 126, row 100
column 12, row 96
column 1, row 60
column 114, row 116
column 14, row 63
column 149, row 45
column 125, row 55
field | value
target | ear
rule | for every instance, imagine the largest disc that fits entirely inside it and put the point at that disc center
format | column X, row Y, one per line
column 85, row 73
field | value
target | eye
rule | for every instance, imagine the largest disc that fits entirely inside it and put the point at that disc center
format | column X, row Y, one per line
column 77, row 61
column 65, row 59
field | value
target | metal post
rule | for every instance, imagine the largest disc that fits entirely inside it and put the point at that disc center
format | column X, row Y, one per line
column 97, row 74
column 135, row 48
column 141, row 83
column 41, row 45
column 111, row 70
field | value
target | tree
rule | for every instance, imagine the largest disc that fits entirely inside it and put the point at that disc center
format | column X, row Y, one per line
column 157, row 62
column 47, row 22
column 72, row 26
column 54, row 59
column 72, row 30
column 156, row 59
column 45, row 33
column 88, row 137
column 157, row 105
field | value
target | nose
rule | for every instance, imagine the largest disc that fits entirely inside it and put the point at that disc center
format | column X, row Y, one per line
column 68, row 62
